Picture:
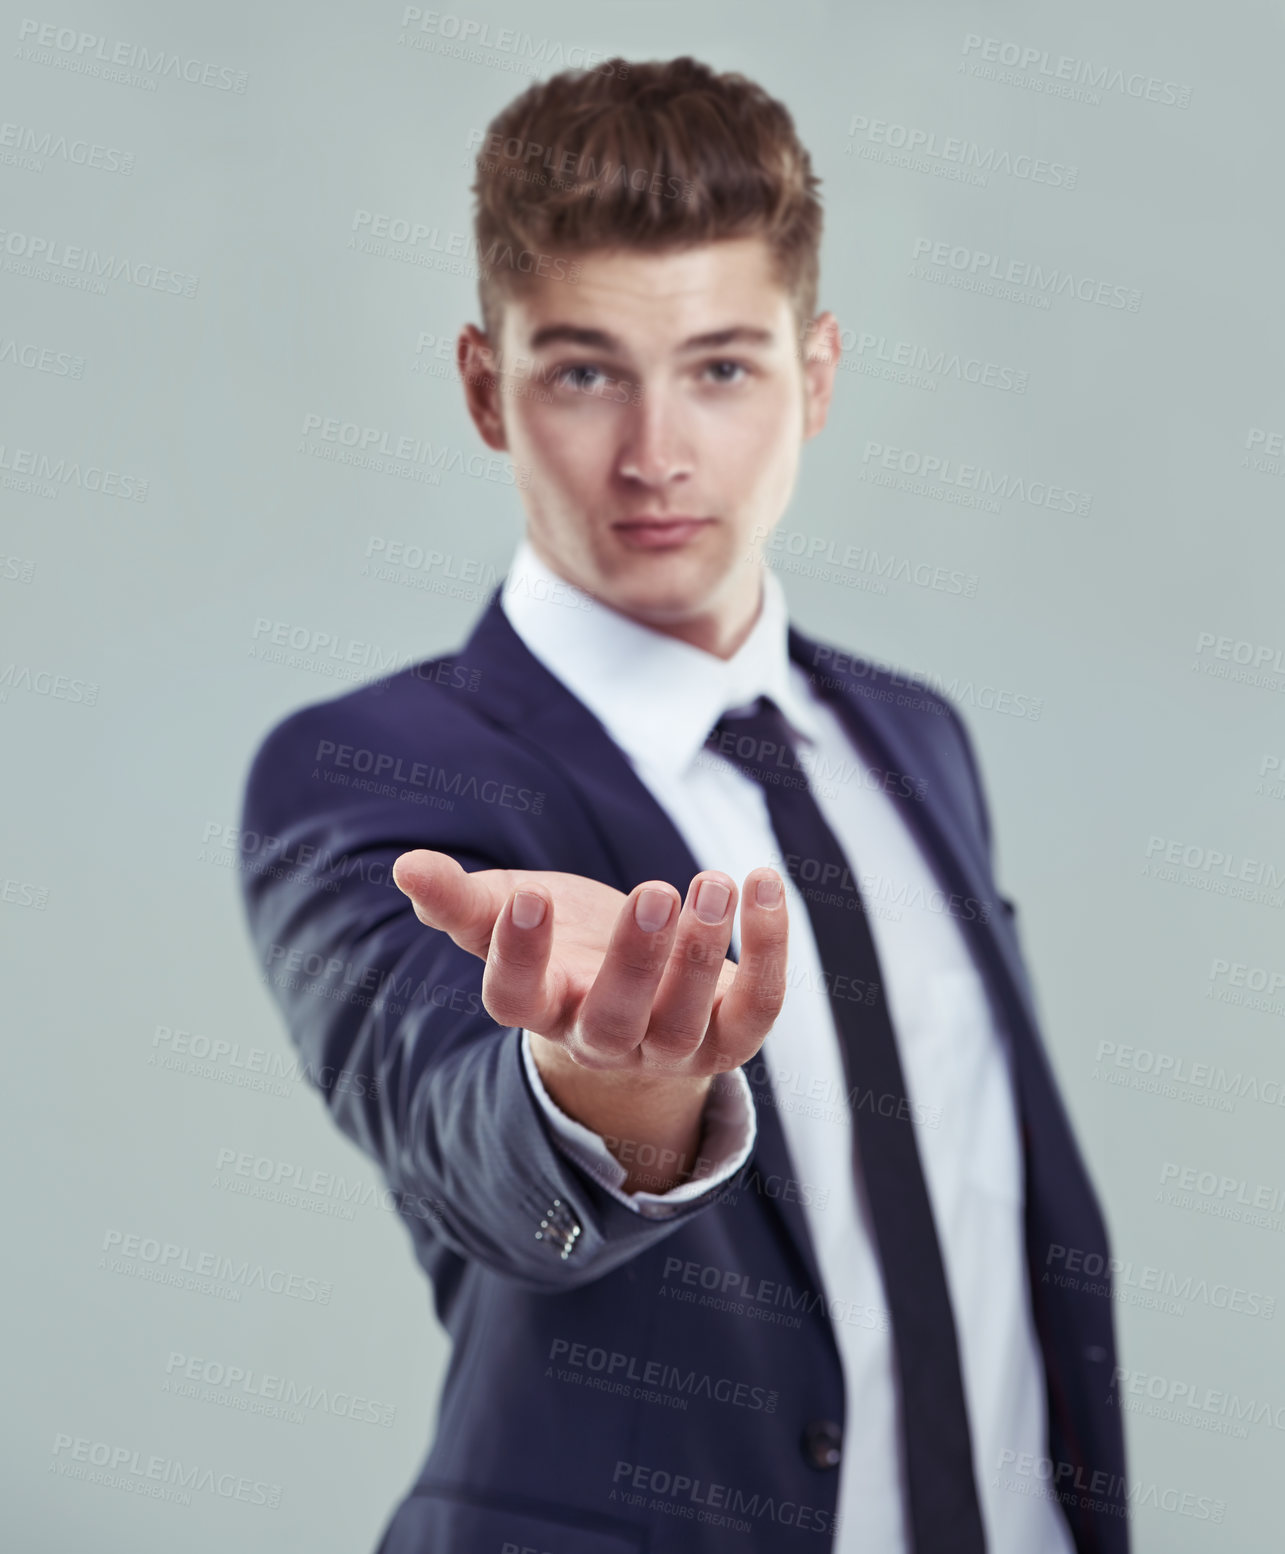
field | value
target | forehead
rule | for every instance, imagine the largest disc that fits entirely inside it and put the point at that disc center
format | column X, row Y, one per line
column 656, row 300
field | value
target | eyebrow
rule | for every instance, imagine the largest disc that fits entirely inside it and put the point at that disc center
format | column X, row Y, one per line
column 600, row 340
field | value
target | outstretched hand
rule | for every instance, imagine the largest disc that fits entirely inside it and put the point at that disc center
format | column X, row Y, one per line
column 616, row 983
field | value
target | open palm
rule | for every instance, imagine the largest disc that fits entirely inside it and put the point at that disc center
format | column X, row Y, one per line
column 610, row 990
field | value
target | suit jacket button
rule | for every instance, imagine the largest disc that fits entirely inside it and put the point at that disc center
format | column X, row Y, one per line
column 823, row 1443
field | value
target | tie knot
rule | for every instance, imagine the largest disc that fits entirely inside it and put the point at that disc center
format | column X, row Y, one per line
column 759, row 742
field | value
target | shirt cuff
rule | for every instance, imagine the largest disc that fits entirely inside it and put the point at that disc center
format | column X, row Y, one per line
column 729, row 1130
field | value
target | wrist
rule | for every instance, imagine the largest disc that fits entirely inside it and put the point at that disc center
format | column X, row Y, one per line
column 555, row 1062
column 650, row 1122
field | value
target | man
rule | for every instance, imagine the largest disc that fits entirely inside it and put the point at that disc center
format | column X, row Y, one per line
column 743, row 1231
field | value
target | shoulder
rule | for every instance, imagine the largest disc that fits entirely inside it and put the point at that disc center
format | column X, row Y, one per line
column 419, row 731
column 910, row 699
column 415, row 697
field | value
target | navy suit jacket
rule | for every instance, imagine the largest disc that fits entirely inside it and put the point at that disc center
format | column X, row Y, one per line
column 617, row 1383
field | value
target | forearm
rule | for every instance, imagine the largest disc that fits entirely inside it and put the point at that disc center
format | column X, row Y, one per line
column 652, row 1124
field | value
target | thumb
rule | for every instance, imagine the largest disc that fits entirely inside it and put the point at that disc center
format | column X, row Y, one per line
column 446, row 896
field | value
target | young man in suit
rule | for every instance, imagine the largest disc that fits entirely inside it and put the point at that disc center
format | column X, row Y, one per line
column 748, row 1235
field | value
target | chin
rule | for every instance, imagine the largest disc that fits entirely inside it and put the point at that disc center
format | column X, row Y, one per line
column 663, row 592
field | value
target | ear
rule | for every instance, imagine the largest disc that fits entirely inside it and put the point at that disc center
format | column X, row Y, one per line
column 479, row 370
column 821, row 352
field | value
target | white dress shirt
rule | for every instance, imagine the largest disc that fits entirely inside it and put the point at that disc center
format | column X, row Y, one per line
column 658, row 698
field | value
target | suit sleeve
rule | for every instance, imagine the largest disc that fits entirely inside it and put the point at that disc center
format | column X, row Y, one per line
column 388, row 1018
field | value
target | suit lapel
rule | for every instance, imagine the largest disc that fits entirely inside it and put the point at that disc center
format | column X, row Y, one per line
column 890, row 740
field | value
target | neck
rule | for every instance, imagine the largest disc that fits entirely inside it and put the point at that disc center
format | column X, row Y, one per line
column 720, row 631
column 713, row 634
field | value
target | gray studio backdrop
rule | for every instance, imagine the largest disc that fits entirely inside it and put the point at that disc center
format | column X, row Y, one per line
column 230, row 246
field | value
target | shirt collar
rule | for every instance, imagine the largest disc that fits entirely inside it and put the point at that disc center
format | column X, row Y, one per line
column 657, row 697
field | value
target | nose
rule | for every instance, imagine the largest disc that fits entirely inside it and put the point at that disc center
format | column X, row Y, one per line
column 655, row 450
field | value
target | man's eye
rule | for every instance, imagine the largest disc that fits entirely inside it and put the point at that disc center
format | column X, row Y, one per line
column 587, row 380
column 725, row 371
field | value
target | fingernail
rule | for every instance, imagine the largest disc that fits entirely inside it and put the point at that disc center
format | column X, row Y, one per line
column 528, row 909
column 768, row 892
column 711, row 901
column 651, row 910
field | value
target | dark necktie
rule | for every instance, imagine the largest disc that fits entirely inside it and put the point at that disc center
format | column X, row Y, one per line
column 944, row 1513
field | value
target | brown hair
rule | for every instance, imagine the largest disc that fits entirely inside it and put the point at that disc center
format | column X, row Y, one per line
column 657, row 155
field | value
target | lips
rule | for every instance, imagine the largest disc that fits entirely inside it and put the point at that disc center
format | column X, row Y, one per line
column 660, row 533
column 658, row 522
